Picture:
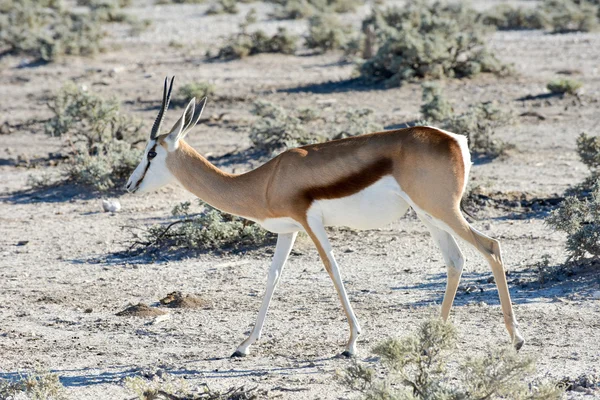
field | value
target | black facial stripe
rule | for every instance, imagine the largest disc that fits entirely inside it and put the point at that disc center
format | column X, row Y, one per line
column 145, row 170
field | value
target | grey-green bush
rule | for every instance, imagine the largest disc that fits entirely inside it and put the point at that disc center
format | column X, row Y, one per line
column 198, row 90
column 39, row 385
column 356, row 122
column 47, row 30
column 418, row 369
column 245, row 44
column 223, row 7
column 277, row 129
column 580, row 220
column 98, row 136
column 564, row 86
column 571, row 15
column 507, row 17
column 428, row 40
column 208, row 229
column 298, row 9
column 478, row 123
column 326, row 32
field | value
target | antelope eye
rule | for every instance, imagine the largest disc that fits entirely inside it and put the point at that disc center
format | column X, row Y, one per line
column 151, row 154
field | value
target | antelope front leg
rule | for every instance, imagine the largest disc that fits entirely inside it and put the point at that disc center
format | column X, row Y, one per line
column 285, row 242
column 316, row 231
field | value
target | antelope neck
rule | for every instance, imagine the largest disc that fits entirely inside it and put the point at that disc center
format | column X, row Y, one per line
column 234, row 194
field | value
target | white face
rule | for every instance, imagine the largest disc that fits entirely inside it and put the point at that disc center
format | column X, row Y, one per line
column 152, row 172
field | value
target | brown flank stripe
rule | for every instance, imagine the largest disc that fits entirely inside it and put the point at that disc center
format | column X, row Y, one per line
column 353, row 183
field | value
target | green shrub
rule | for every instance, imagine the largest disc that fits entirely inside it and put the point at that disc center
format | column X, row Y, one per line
column 356, row 122
column 97, row 134
column 298, row 9
column 46, row 30
column 198, row 90
column 571, row 15
column 210, row 229
column 478, row 123
column 418, row 368
column 223, row 7
column 506, row 17
column 277, row 130
column 580, row 220
column 428, row 40
column 564, row 86
column 39, row 385
column 245, row 44
column 180, row 1
column 435, row 106
column 169, row 388
column 326, row 32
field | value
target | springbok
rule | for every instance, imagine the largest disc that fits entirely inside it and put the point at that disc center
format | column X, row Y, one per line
column 362, row 182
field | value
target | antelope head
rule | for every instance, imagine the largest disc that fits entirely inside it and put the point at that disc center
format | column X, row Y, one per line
column 153, row 172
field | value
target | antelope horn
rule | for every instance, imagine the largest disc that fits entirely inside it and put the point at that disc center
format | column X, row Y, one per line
column 164, row 107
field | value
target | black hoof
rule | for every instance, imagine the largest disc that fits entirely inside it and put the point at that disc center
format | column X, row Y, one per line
column 238, row 354
column 347, row 354
column 519, row 344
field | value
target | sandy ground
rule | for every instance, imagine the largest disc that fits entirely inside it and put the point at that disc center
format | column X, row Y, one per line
column 59, row 292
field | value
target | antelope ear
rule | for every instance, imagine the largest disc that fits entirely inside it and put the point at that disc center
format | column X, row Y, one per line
column 196, row 117
column 178, row 130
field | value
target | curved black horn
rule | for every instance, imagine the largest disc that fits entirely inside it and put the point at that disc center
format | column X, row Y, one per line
column 164, row 107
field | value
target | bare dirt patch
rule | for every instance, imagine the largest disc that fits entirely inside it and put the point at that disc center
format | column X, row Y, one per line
column 179, row 300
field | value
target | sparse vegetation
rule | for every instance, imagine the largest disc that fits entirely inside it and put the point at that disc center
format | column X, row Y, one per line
column 418, row 369
column 564, row 86
column 198, row 90
column 39, row 385
column 506, row 17
column 208, row 229
column 245, row 44
column 356, row 122
column 571, row 15
column 168, row 388
column 326, row 32
column 223, row 7
column 47, row 30
column 180, row 1
column 428, row 40
column 298, row 9
column 277, row 129
column 478, row 123
column 98, row 136
column 580, row 220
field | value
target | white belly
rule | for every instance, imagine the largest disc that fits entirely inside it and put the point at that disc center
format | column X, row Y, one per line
column 372, row 207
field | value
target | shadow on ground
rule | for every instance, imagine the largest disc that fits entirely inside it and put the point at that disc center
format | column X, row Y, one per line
column 52, row 194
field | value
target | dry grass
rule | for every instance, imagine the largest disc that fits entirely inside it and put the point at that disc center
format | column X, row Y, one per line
column 426, row 366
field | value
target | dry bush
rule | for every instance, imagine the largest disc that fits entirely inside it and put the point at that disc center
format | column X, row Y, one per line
column 571, row 15
column 47, row 30
column 245, row 44
column 278, row 129
column 180, row 1
column 580, row 220
column 435, row 106
column 298, row 9
column 39, row 385
column 564, row 86
column 418, row 369
column 326, row 32
column 223, row 7
column 428, row 40
column 478, row 123
column 198, row 90
column 98, row 136
column 506, row 17
column 208, row 229
column 356, row 122
column 579, row 214
column 168, row 388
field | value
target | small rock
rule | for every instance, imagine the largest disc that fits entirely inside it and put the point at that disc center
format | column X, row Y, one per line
column 22, row 242
column 88, row 310
column 111, row 205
